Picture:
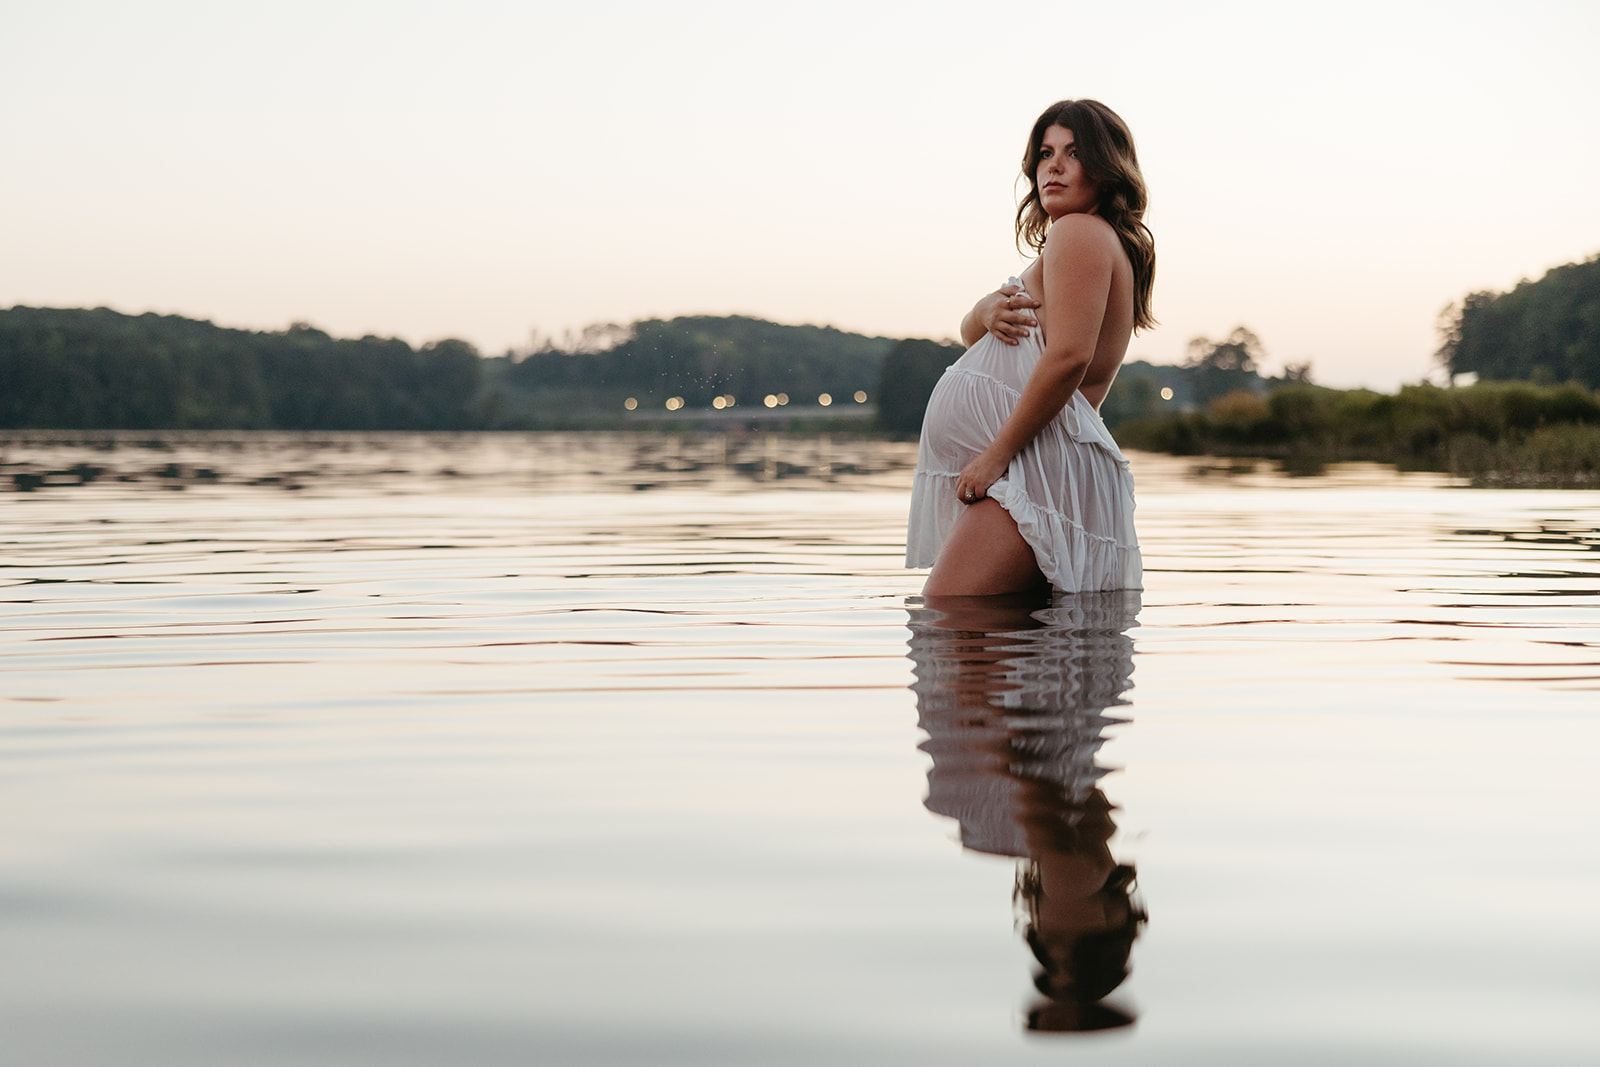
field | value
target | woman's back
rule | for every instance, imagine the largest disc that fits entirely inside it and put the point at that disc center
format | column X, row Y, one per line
column 1116, row 328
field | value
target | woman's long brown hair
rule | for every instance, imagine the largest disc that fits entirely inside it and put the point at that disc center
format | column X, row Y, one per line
column 1105, row 149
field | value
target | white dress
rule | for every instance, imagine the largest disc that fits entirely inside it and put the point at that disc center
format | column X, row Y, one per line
column 1069, row 491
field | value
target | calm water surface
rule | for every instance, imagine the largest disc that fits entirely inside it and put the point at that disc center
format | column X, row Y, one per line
column 502, row 749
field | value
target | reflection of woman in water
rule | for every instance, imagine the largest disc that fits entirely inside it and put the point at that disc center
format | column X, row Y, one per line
column 1019, row 485
column 1013, row 704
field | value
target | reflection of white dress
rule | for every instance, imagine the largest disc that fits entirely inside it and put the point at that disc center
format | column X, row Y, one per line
column 1004, row 709
column 1070, row 490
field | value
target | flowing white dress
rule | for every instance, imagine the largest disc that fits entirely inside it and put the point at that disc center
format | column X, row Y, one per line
column 1070, row 491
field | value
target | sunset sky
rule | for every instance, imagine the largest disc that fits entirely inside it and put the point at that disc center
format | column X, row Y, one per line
column 1329, row 175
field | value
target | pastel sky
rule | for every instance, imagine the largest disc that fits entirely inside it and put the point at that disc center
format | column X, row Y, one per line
column 1329, row 175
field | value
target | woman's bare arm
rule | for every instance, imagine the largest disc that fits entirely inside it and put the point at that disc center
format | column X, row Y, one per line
column 1079, row 259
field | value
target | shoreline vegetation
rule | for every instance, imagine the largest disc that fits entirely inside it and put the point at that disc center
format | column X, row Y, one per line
column 1532, row 419
column 1505, row 434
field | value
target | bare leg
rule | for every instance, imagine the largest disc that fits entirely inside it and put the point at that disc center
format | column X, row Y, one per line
column 985, row 556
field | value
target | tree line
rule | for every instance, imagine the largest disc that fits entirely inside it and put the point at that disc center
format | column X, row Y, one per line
column 696, row 358
column 68, row 368
column 91, row 369
column 100, row 369
column 71, row 368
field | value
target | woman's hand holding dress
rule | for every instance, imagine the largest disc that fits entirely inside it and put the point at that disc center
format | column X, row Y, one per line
column 972, row 485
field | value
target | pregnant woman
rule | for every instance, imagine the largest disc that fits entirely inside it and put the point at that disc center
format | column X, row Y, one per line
column 1019, row 486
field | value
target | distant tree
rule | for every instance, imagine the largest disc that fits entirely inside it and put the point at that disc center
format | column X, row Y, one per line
column 449, row 373
column 599, row 337
column 1240, row 351
column 910, row 371
column 1545, row 331
column 1221, row 367
column 1133, row 395
column 1296, row 374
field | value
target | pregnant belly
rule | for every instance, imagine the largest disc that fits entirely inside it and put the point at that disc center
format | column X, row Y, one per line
column 964, row 414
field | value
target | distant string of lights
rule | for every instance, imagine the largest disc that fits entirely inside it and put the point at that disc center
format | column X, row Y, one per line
column 727, row 400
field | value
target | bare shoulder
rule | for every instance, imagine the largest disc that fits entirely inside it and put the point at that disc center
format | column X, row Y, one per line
column 1080, row 235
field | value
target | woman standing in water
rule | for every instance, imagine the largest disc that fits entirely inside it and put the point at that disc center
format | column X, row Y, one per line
column 1019, row 486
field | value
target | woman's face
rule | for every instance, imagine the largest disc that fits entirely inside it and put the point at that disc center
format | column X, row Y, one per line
column 1063, row 187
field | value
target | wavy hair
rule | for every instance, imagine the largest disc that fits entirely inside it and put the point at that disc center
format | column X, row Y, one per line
column 1105, row 150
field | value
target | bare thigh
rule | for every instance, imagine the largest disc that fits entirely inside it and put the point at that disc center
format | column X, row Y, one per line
column 985, row 555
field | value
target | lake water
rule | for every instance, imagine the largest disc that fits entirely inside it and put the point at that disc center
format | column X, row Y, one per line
column 590, row 749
